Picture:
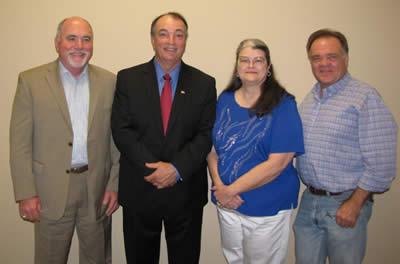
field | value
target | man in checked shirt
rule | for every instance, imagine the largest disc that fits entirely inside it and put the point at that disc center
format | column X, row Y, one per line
column 350, row 140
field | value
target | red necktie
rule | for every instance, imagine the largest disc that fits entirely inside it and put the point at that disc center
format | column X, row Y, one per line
column 166, row 101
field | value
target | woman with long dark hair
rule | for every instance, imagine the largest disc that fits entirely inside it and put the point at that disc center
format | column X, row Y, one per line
column 256, row 134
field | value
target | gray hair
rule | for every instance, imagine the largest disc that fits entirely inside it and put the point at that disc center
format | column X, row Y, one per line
column 254, row 44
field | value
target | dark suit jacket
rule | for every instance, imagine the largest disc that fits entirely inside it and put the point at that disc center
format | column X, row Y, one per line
column 137, row 131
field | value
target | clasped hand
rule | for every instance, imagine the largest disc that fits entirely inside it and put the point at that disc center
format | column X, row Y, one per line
column 163, row 176
column 226, row 197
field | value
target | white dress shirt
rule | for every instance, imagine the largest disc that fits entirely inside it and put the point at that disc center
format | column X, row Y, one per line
column 77, row 94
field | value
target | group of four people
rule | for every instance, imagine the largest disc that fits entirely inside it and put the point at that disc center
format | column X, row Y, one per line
column 75, row 128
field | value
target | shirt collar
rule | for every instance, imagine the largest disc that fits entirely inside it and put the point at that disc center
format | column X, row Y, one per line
column 174, row 73
column 64, row 71
column 331, row 89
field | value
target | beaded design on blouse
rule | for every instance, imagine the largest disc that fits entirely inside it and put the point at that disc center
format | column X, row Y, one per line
column 238, row 141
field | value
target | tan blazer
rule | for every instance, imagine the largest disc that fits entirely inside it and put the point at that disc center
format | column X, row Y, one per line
column 41, row 137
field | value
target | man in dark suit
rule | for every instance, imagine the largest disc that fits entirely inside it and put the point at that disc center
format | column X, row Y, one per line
column 162, row 116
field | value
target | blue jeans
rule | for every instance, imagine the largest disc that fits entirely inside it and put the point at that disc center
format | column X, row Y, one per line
column 318, row 237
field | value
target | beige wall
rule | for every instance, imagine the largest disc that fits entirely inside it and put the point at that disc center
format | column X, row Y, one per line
column 216, row 27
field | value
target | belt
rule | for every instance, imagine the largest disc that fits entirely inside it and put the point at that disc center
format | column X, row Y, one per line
column 77, row 170
column 326, row 193
column 322, row 192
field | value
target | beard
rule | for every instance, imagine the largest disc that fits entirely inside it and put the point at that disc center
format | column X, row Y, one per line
column 84, row 58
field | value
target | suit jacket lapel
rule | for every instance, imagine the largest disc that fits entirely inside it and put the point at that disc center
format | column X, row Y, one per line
column 181, row 93
column 55, row 84
column 93, row 93
column 151, row 87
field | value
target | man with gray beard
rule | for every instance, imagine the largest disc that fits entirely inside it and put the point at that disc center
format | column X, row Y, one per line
column 64, row 164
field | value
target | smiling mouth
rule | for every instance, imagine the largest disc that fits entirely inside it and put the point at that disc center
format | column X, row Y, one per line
column 78, row 54
column 170, row 49
column 325, row 72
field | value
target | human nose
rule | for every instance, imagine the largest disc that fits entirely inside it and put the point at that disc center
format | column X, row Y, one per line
column 324, row 61
column 171, row 39
column 79, row 43
column 251, row 63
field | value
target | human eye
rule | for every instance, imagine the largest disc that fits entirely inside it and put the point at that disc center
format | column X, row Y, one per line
column 244, row 60
column 87, row 38
column 259, row 61
column 71, row 37
column 180, row 34
column 315, row 59
column 163, row 34
column 333, row 57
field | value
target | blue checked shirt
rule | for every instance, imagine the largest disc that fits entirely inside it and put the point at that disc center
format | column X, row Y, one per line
column 350, row 138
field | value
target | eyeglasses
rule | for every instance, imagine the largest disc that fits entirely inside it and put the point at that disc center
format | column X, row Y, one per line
column 257, row 61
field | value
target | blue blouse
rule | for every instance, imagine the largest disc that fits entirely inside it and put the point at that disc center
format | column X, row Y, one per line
column 242, row 141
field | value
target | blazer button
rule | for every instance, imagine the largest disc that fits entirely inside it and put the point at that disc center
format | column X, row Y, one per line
column 70, row 144
column 67, row 171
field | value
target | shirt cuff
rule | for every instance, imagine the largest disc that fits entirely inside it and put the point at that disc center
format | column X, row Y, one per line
column 178, row 175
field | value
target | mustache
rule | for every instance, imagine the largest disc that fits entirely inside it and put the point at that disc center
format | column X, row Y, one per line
column 80, row 51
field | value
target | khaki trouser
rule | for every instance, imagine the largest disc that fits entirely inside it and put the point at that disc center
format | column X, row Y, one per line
column 53, row 237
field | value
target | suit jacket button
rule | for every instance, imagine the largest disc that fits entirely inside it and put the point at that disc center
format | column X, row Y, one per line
column 67, row 171
column 69, row 143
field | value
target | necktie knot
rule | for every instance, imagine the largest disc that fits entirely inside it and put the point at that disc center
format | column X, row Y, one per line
column 167, row 77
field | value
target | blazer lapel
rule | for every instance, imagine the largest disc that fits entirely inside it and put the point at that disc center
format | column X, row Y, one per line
column 93, row 94
column 55, row 84
column 181, row 93
column 151, row 89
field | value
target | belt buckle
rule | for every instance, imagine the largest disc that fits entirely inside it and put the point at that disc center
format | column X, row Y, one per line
column 319, row 192
column 78, row 170
column 74, row 170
